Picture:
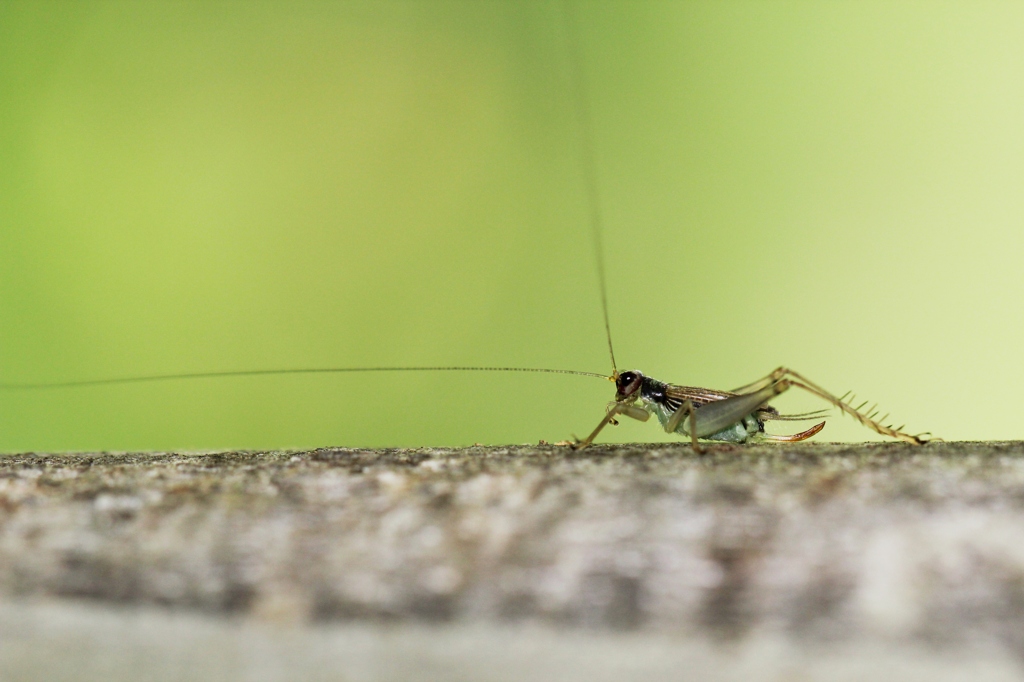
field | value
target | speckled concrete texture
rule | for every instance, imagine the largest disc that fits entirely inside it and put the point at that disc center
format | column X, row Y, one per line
column 817, row 546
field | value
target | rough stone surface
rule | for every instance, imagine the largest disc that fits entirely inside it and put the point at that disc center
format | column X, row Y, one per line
column 814, row 542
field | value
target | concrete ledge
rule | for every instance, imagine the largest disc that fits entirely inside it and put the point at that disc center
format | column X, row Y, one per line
column 816, row 547
column 82, row 642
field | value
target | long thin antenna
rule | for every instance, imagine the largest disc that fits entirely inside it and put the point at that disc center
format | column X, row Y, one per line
column 579, row 93
column 268, row 372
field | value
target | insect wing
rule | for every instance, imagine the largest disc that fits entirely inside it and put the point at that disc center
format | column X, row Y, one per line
column 675, row 396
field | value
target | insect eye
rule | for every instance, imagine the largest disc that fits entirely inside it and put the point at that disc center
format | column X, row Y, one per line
column 628, row 383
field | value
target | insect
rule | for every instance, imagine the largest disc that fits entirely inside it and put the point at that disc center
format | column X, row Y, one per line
column 735, row 416
column 697, row 413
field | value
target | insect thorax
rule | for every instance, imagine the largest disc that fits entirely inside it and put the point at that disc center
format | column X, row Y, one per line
column 654, row 398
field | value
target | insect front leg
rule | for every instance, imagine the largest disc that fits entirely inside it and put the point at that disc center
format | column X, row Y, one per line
column 614, row 408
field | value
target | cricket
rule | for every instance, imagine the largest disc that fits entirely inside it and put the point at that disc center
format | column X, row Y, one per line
column 694, row 413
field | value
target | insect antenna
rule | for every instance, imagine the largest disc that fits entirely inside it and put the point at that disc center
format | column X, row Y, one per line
column 578, row 87
column 275, row 372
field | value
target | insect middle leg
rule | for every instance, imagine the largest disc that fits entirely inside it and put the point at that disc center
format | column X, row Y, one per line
column 685, row 410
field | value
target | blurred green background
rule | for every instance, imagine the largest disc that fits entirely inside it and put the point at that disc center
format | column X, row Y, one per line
column 242, row 185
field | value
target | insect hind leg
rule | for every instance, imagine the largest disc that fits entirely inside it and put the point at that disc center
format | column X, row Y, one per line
column 763, row 382
column 788, row 378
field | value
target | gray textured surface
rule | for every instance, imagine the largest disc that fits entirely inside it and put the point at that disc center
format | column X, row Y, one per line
column 818, row 547
column 102, row 643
